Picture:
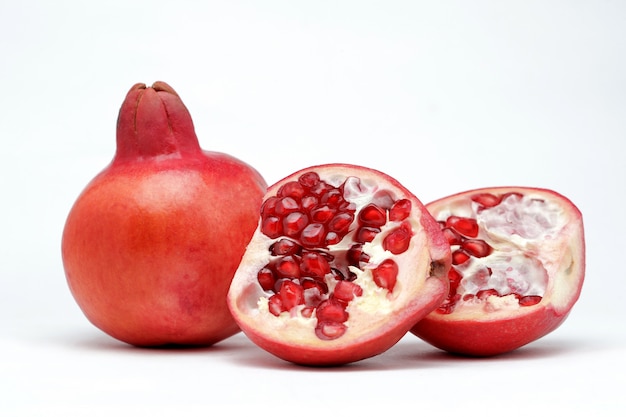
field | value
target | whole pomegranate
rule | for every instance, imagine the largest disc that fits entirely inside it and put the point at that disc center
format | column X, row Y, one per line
column 344, row 261
column 518, row 262
column 151, row 244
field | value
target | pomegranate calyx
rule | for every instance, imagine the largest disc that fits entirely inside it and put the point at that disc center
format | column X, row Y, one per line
column 154, row 122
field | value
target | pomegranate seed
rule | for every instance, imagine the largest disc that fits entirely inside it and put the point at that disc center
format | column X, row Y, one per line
column 321, row 188
column 337, row 274
column 529, row 300
column 291, row 294
column 398, row 240
column 269, row 207
column 314, row 265
column 272, row 227
column 514, row 194
column 476, row 247
column 385, row 274
column 486, row 200
column 291, row 189
column 332, row 238
column 285, row 247
column 459, row 257
column 341, row 223
column 464, row 225
column 307, row 312
column 330, row 330
column 400, row 210
column 482, row 294
column 345, row 291
column 448, row 305
column 372, row 215
column 286, row 205
column 331, row 310
column 308, row 203
column 454, row 276
column 294, row 223
column 275, row 305
column 355, row 255
column 366, row 234
column 309, row 179
column 321, row 286
column 265, row 276
column 313, row 235
column 287, row 267
column 453, row 237
column 322, row 214
column 333, row 198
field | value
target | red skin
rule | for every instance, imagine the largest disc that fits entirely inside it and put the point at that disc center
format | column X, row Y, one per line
column 151, row 244
column 488, row 336
column 372, row 343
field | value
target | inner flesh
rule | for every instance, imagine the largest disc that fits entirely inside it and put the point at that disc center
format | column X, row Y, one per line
column 333, row 244
column 496, row 242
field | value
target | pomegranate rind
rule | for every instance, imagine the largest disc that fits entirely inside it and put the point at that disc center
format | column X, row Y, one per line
column 493, row 331
column 421, row 287
column 143, row 245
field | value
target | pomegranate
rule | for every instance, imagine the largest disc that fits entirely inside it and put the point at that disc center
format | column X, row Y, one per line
column 343, row 262
column 151, row 244
column 518, row 262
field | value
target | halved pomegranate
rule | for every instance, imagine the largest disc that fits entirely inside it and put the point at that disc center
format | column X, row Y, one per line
column 343, row 262
column 518, row 262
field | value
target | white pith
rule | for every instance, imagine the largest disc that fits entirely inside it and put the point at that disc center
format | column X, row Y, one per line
column 530, row 247
column 367, row 311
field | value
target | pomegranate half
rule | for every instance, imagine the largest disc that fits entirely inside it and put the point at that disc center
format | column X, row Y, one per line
column 343, row 262
column 518, row 263
column 151, row 244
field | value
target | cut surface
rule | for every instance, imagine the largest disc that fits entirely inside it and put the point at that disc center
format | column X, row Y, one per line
column 515, row 252
column 341, row 255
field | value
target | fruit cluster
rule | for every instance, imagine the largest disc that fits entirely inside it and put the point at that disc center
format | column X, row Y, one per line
column 335, row 263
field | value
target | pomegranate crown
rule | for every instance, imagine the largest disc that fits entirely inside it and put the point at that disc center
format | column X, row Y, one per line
column 153, row 121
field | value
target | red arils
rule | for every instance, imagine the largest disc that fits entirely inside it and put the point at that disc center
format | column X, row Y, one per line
column 291, row 189
column 313, row 235
column 371, row 262
column 345, row 291
column 314, row 265
column 285, row 247
column 400, row 210
column 476, row 247
column 515, row 279
column 398, row 240
column 307, row 217
column 291, row 295
column 462, row 236
column 372, row 215
column 294, row 223
column 385, row 274
column 486, row 200
column 530, row 300
column 272, row 227
column 463, row 225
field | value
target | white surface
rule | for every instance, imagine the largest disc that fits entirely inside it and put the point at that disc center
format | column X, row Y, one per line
column 444, row 96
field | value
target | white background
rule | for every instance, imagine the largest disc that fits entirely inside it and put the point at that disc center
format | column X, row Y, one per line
column 445, row 96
